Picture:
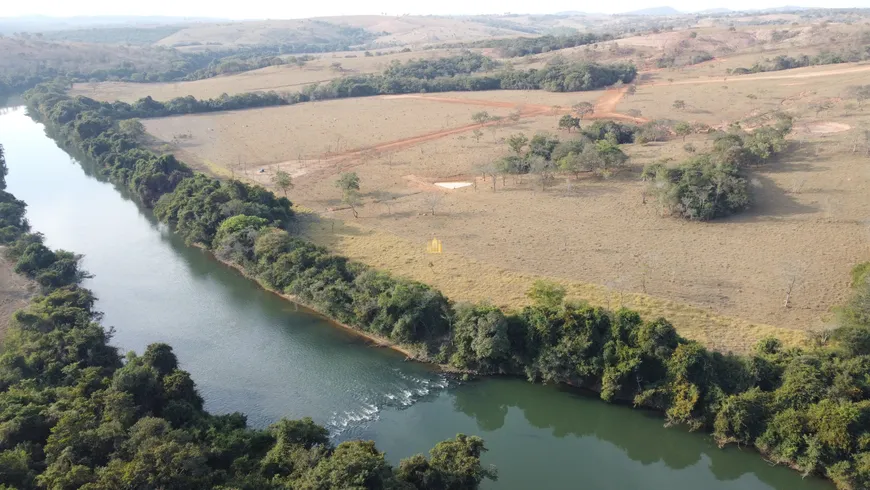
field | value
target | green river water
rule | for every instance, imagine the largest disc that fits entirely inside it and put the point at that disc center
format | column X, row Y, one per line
column 253, row 352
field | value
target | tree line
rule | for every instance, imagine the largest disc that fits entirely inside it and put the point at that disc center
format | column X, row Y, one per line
column 524, row 46
column 784, row 62
column 805, row 407
column 74, row 413
column 559, row 78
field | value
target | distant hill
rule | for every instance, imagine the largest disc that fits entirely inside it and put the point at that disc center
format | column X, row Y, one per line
column 653, row 11
column 42, row 23
column 715, row 11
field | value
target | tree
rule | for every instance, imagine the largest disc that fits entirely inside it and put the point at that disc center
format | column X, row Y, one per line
column 583, row 108
column 543, row 168
column 546, row 294
column 132, row 127
column 433, row 200
column 679, row 104
column 477, row 134
column 283, row 181
column 481, row 117
column 352, row 198
column 348, row 182
column 517, row 142
column 683, row 129
column 569, row 122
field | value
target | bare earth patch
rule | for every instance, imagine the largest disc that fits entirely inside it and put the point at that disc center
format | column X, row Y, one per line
column 824, row 127
column 15, row 293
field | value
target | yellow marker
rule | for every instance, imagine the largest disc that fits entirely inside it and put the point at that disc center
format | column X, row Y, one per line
column 433, row 247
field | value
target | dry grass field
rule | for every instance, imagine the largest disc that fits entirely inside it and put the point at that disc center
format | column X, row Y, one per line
column 722, row 283
column 284, row 78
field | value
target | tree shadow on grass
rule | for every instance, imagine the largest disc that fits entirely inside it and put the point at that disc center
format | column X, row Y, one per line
column 770, row 202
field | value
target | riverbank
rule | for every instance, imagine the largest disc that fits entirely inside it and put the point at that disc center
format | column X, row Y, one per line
column 368, row 336
column 553, row 341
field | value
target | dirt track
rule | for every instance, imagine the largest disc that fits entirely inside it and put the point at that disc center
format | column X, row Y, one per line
column 752, row 78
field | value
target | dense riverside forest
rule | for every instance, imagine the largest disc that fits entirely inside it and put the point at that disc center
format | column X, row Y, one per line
column 808, row 408
column 75, row 413
column 414, row 76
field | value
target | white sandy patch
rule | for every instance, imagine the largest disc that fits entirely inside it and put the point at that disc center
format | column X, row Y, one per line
column 453, row 185
column 825, row 127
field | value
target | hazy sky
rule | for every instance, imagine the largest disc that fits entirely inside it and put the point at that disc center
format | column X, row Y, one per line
column 249, row 9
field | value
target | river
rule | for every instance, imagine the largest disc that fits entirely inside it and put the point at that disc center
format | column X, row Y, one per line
column 252, row 352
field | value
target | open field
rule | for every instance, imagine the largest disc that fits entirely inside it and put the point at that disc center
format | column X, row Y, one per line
column 283, row 78
column 15, row 293
column 730, row 98
column 309, row 131
column 722, row 282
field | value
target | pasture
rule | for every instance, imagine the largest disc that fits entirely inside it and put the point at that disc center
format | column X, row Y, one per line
column 722, row 282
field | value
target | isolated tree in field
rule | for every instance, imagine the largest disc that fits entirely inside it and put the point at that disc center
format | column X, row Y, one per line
column 477, row 134
column 387, row 199
column 546, row 294
column 583, row 108
column 683, row 129
column 679, row 104
column 433, row 200
column 481, row 117
column 348, row 182
column 517, row 142
column 353, row 200
column 569, row 122
column 132, row 127
column 283, row 181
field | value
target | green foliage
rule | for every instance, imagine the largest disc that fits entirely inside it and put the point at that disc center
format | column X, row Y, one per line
column 783, row 62
column 428, row 69
column 569, row 122
column 283, row 181
column 480, row 340
column 348, row 181
column 524, row 46
column 700, row 189
column 546, row 294
column 712, row 185
column 74, row 414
